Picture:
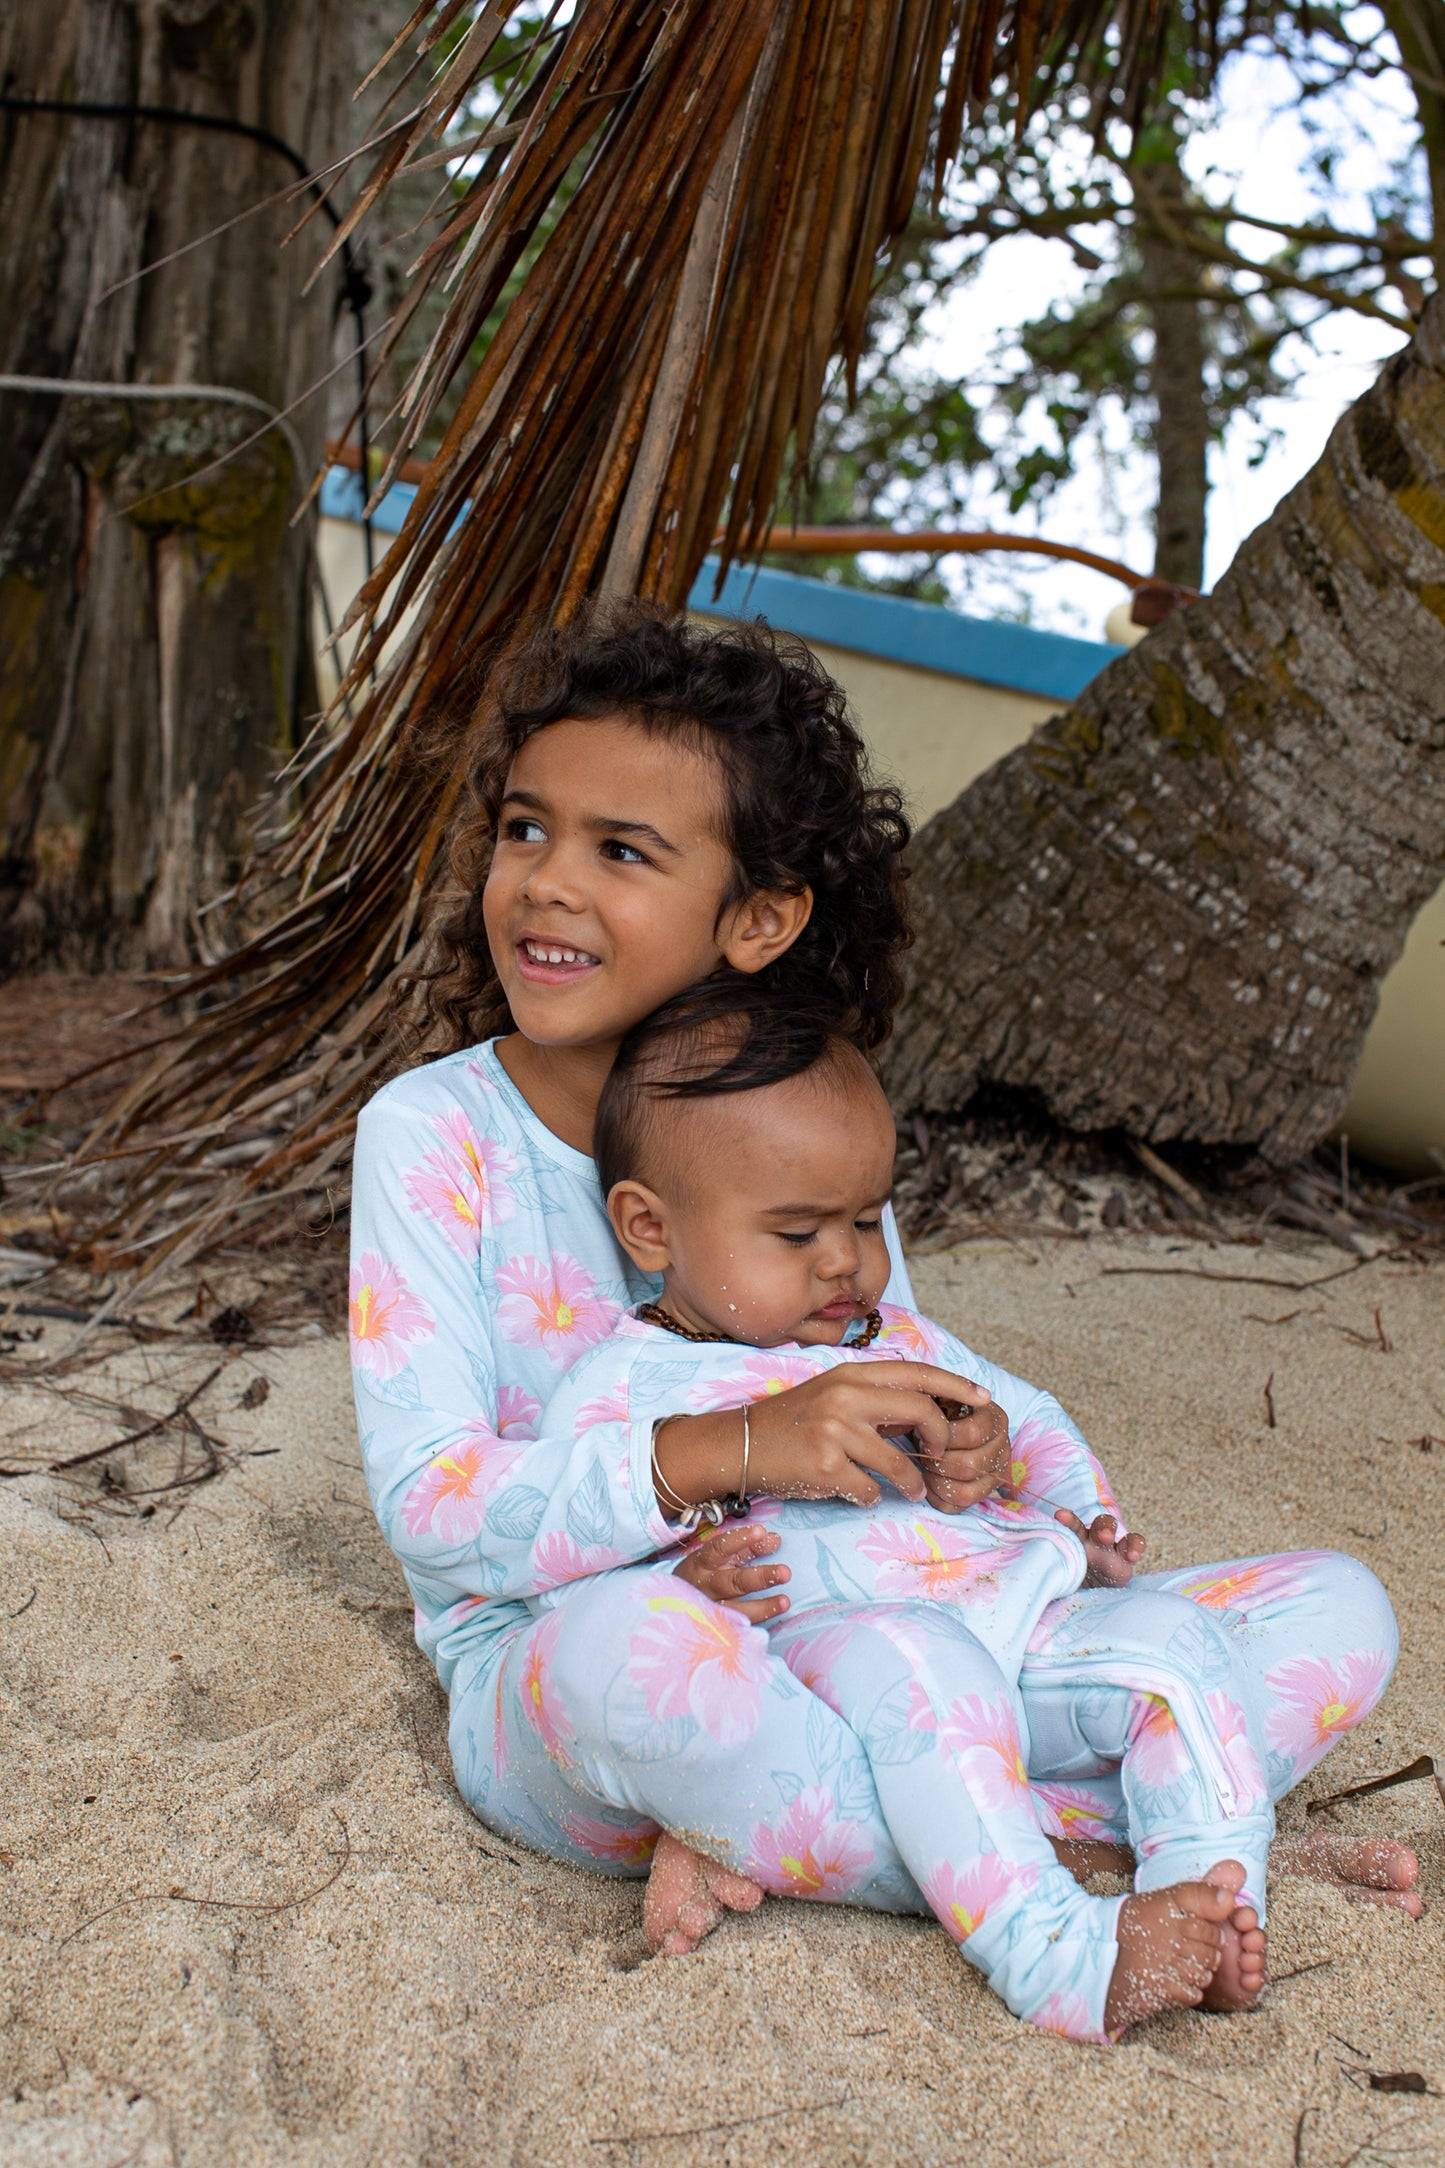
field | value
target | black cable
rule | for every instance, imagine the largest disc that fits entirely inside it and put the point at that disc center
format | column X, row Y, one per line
column 356, row 288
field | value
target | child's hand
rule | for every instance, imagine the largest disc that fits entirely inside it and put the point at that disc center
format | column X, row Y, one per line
column 722, row 1567
column 975, row 1461
column 1112, row 1557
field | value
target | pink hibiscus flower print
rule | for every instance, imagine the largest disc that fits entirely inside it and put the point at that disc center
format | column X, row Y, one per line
column 811, row 1661
column 908, row 1336
column 811, row 1851
column 1072, row 1810
column 541, row 1703
column 1255, row 1581
column 1066, row 2014
column 608, row 1407
column 928, row 1558
column 1233, row 1734
column 630, row 1844
column 558, row 1559
column 517, row 1413
column 449, row 1498
column 981, row 1738
column 386, row 1317
column 462, row 1184
column 760, row 1375
column 551, row 1303
column 1158, row 1756
column 961, row 1896
column 693, row 1658
column 1317, row 1699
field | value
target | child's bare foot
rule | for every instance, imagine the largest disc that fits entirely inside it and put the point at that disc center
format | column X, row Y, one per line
column 1170, row 1941
column 687, row 1895
column 1239, row 1980
column 1374, row 1870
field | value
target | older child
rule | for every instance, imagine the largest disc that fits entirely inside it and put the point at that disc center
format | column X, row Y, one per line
column 653, row 803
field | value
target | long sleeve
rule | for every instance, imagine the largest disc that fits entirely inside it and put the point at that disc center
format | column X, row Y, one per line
column 455, row 1330
column 1052, row 1463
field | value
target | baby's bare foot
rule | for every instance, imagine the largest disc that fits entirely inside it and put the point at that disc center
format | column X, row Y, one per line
column 1374, row 1870
column 1170, row 1942
column 1239, row 1980
column 687, row 1895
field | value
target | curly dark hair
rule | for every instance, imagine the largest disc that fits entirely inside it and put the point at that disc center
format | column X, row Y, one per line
column 802, row 808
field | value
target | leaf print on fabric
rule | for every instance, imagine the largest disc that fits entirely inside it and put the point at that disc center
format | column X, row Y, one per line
column 551, row 1303
column 626, row 1844
column 810, row 1851
column 386, row 1317
column 755, row 1379
column 449, row 1498
column 1317, row 1699
column 694, row 1658
column 517, row 1413
column 961, row 1896
column 517, row 1514
column 462, row 1183
column 589, row 1509
column 1253, row 1582
column 932, row 1559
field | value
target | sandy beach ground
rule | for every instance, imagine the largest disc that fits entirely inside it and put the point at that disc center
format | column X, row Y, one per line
column 245, row 1919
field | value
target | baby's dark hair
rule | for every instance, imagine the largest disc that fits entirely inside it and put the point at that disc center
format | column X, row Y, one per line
column 730, row 1034
column 801, row 808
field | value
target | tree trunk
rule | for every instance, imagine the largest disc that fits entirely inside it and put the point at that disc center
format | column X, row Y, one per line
column 1171, row 910
column 154, row 633
column 1419, row 31
column 1176, row 373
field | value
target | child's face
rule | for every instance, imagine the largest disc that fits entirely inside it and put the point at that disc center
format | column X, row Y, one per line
column 606, row 891
column 768, row 1224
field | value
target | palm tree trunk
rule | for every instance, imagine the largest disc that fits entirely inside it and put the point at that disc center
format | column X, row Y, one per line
column 1176, row 373
column 1171, row 910
column 154, row 633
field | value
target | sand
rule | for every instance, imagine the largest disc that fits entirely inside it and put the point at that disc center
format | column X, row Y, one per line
column 246, row 1919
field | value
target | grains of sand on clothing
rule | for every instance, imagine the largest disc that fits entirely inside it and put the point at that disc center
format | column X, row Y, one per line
column 245, row 1919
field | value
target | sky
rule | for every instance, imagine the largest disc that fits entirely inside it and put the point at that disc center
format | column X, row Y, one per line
column 1259, row 149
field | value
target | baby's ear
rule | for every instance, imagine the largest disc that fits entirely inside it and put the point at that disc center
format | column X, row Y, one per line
column 639, row 1222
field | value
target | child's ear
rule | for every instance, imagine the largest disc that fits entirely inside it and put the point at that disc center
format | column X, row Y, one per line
column 758, row 930
column 636, row 1213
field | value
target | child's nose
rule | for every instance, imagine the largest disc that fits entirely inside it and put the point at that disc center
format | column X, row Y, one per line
column 554, row 877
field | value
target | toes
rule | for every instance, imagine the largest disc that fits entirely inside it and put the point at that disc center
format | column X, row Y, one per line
column 1407, row 1901
column 1226, row 1875
column 737, row 1891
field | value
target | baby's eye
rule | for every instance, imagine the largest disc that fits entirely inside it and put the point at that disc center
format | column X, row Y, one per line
column 521, row 828
column 798, row 1242
column 624, row 854
column 868, row 1227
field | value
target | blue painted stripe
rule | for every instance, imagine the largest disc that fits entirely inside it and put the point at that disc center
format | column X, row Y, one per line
column 930, row 637
column 342, row 497
column 1052, row 664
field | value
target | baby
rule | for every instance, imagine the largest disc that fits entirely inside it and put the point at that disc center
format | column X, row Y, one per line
column 746, row 1153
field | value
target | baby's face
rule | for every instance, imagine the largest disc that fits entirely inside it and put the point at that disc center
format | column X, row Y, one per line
column 773, row 1221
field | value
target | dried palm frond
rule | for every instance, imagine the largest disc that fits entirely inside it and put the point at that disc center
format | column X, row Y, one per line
column 699, row 195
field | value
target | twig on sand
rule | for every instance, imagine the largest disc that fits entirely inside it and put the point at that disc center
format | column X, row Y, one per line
column 742, row 2122
column 224, row 1904
column 1277, row 1979
column 179, row 1413
column 24, row 1606
column 1412, row 1773
column 1233, row 1279
column 1299, row 2138
column 1269, row 1414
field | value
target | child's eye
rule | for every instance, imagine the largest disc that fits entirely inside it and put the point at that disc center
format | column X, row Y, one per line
column 521, row 828
column 798, row 1242
column 868, row 1227
column 626, row 854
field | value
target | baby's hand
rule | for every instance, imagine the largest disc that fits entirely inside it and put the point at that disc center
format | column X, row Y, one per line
column 1112, row 1557
column 722, row 1567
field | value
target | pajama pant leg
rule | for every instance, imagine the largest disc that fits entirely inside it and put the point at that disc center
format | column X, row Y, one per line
column 1314, row 1642
column 1151, row 1684
column 936, row 1718
column 638, row 1704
